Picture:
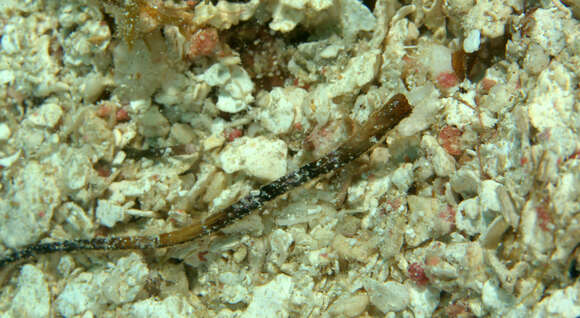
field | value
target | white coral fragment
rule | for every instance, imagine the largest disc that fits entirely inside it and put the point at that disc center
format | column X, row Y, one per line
column 388, row 297
column 172, row 306
column 443, row 163
column 32, row 298
column 552, row 101
column 259, row 157
column 280, row 108
column 109, row 213
column 26, row 215
column 47, row 115
column 235, row 87
column 271, row 299
column 548, row 30
column 355, row 18
column 488, row 16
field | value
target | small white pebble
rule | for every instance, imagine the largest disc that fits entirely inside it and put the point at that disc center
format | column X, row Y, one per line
column 4, row 132
column 390, row 296
column 108, row 213
column 259, row 157
column 32, row 297
column 443, row 163
column 47, row 115
column 472, row 41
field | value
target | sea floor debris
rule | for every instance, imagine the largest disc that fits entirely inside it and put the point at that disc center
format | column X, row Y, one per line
column 469, row 208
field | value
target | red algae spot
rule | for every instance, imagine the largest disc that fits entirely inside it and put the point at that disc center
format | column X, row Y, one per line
column 122, row 115
column 487, row 84
column 104, row 111
column 201, row 256
column 447, row 80
column 458, row 310
column 544, row 218
column 449, row 139
column 432, row 260
column 103, row 172
column 448, row 215
column 204, row 42
column 524, row 161
column 417, row 274
column 233, row 134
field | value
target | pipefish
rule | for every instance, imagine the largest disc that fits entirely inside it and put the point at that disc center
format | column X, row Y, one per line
column 377, row 125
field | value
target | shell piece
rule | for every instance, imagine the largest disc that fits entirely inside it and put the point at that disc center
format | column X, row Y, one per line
column 496, row 229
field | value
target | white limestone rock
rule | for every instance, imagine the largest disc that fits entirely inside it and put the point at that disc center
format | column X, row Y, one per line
column 356, row 17
column 48, row 115
column 388, row 297
column 172, row 306
column 468, row 219
column 548, row 30
column 26, row 211
column 551, row 102
column 472, row 41
column 426, row 104
column 259, row 157
column 403, row 177
column 349, row 306
column 560, row 303
column 271, row 299
column 5, row 132
column 93, row 291
column 280, row 242
column 422, row 214
column 280, row 107
column 125, row 279
column 497, row 300
column 109, row 213
column 234, row 290
column 443, row 163
column 81, row 294
column 32, row 298
column 235, row 86
column 422, row 301
column 489, row 17
column 488, row 198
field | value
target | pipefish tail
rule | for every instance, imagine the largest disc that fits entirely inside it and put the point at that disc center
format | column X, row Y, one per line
column 378, row 124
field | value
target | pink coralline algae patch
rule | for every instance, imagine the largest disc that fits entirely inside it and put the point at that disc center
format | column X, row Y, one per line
column 447, row 80
column 449, row 139
column 417, row 274
column 204, row 42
